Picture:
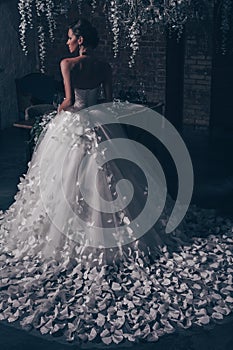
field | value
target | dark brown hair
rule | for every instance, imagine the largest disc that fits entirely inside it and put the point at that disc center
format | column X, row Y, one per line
column 84, row 28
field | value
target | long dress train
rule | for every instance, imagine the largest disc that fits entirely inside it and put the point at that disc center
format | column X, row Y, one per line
column 61, row 278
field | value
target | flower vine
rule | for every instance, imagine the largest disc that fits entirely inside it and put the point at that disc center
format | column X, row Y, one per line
column 128, row 19
column 134, row 33
column 37, row 14
column 114, row 19
column 25, row 10
column 42, row 49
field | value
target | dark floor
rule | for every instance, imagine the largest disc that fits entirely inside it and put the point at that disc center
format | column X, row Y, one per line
column 212, row 157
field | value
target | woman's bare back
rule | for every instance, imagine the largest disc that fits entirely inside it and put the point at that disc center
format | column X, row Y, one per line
column 89, row 73
column 85, row 72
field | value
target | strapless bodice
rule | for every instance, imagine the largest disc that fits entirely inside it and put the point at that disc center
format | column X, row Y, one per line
column 85, row 97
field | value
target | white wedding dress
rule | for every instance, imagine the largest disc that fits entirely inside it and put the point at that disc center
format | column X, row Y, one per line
column 60, row 276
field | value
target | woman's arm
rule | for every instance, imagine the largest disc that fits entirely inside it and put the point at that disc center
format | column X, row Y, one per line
column 107, row 84
column 65, row 70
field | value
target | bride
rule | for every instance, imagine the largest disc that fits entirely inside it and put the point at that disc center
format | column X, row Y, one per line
column 61, row 275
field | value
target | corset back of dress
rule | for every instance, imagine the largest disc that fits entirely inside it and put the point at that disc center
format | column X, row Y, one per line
column 85, row 97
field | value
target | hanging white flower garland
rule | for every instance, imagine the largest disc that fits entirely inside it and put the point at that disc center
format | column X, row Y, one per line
column 25, row 11
column 128, row 19
column 35, row 14
column 42, row 49
column 114, row 20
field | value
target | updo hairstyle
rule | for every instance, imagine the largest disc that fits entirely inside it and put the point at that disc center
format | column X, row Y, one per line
column 84, row 28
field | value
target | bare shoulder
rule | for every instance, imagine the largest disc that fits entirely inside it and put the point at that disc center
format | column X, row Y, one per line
column 69, row 63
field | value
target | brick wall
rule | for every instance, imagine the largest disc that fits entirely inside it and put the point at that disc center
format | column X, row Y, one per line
column 197, row 81
column 197, row 70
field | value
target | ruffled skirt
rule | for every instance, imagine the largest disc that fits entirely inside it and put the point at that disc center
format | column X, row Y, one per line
column 71, row 270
